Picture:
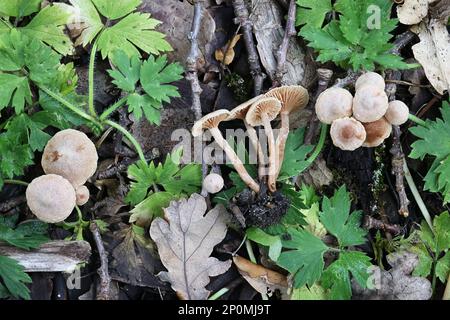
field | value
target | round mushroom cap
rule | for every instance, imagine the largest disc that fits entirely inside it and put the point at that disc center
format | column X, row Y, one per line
column 211, row 120
column 397, row 113
column 371, row 78
column 370, row 103
column 51, row 198
column 82, row 194
column 213, row 183
column 292, row 98
column 377, row 132
column 334, row 103
column 72, row 155
column 269, row 106
column 241, row 110
column 347, row 133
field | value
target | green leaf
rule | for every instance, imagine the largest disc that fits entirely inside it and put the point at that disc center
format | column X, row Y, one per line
column 155, row 76
column 134, row 31
column 337, row 220
column 171, row 176
column 86, row 13
column 434, row 141
column 19, row 8
column 116, row 9
column 311, row 217
column 314, row 292
column 14, row 278
column 443, row 267
column 273, row 242
column 128, row 71
column 48, row 26
column 312, row 12
column 337, row 276
column 152, row 207
column 21, row 238
column 423, row 268
column 14, row 91
column 441, row 226
column 295, row 155
column 305, row 262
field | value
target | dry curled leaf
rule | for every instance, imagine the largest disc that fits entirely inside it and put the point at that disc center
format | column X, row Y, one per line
column 263, row 280
column 185, row 240
column 227, row 57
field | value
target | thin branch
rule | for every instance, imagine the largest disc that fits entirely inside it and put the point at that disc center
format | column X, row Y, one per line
column 242, row 18
column 104, row 290
column 348, row 80
column 282, row 52
column 372, row 223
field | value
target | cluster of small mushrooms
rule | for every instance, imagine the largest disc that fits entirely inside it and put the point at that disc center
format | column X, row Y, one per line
column 363, row 120
column 259, row 111
column 69, row 160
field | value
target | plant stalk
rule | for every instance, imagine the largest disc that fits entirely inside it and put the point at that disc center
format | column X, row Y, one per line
column 417, row 120
column 320, row 144
column 129, row 136
column 113, row 108
column 91, row 79
column 17, row 182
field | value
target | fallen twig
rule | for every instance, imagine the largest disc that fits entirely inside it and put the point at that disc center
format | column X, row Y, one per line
column 372, row 223
column 282, row 51
column 324, row 78
column 103, row 292
column 242, row 18
column 349, row 79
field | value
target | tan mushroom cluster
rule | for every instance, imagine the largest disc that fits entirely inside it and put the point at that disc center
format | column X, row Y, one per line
column 69, row 160
column 362, row 120
column 259, row 111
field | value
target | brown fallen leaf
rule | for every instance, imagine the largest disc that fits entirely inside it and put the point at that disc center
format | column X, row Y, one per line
column 228, row 57
column 185, row 240
column 263, row 280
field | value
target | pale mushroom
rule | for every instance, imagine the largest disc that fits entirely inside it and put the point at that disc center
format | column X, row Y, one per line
column 292, row 98
column 261, row 113
column 72, row 155
column 239, row 113
column 51, row 198
column 213, row 183
column 347, row 133
column 376, row 132
column 211, row 122
column 332, row 104
column 371, row 78
column 82, row 194
column 397, row 113
column 370, row 103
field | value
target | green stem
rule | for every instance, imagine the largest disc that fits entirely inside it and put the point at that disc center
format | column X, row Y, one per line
column 18, row 182
column 113, row 108
column 91, row 79
column 80, row 215
column 70, row 106
column 416, row 195
column 417, row 120
column 320, row 144
column 129, row 136
column 218, row 294
column 7, row 23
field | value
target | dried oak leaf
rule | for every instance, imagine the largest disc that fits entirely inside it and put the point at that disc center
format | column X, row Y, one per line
column 228, row 57
column 185, row 240
column 263, row 280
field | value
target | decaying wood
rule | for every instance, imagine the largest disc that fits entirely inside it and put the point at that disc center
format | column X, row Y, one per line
column 267, row 18
column 12, row 203
column 242, row 18
column 53, row 256
column 372, row 223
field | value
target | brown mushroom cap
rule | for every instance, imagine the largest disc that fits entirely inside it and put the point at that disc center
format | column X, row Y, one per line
column 241, row 110
column 211, row 120
column 82, row 194
column 370, row 103
column 347, row 133
column 269, row 106
column 397, row 113
column 213, row 183
column 51, row 198
column 72, row 155
column 376, row 132
column 371, row 78
column 334, row 103
column 292, row 98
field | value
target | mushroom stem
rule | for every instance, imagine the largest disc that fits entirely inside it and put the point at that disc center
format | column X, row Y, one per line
column 272, row 153
column 281, row 141
column 237, row 163
column 257, row 147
